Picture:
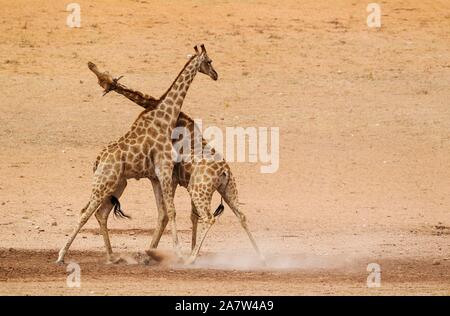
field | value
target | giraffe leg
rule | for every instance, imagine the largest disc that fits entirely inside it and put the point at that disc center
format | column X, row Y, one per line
column 194, row 220
column 244, row 225
column 102, row 218
column 101, row 191
column 166, row 182
column 163, row 219
column 202, row 202
column 86, row 212
column 205, row 225
column 229, row 194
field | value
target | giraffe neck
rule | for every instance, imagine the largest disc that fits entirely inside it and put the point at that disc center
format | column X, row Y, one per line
column 137, row 97
column 172, row 101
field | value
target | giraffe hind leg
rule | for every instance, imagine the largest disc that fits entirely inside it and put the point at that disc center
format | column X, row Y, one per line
column 100, row 194
column 229, row 194
column 86, row 212
column 202, row 202
column 194, row 220
column 102, row 217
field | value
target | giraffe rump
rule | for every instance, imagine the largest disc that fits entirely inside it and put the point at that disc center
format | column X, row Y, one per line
column 117, row 208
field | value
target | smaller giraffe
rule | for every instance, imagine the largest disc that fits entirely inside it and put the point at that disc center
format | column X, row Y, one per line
column 202, row 178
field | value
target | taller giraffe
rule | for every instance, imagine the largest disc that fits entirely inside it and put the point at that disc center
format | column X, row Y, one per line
column 201, row 177
column 145, row 151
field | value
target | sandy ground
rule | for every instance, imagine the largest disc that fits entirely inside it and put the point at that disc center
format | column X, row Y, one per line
column 364, row 123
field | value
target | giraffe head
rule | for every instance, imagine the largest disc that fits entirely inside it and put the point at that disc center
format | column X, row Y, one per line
column 206, row 63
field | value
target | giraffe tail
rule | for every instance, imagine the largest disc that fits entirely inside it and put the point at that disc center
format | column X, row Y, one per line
column 219, row 210
column 117, row 208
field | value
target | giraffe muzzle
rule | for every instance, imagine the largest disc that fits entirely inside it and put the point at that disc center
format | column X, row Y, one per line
column 214, row 76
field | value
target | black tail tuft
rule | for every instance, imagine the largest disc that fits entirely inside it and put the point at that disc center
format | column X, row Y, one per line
column 117, row 209
column 219, row 210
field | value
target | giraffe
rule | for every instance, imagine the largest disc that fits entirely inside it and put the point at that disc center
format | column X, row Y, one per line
column 202, row 178
column 145, row 151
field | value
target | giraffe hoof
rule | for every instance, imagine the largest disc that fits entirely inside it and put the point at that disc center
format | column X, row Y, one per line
column 114, row 260
column 189, row 261
column 59, row 262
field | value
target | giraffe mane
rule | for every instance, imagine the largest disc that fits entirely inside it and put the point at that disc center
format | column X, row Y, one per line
column 184, row 67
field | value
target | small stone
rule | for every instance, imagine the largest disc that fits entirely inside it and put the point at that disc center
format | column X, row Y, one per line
column 436, row 262
column 54, row 223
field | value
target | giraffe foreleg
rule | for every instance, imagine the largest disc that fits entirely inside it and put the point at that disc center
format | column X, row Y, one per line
column 164, row 175
column 163, row 219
